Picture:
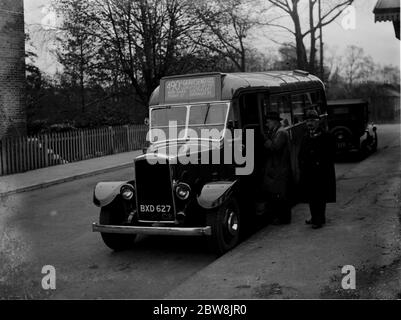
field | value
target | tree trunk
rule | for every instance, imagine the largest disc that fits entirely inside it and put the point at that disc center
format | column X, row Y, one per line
column 243, row 57
column 302, row 60
column 312, row 54
column 81, row 76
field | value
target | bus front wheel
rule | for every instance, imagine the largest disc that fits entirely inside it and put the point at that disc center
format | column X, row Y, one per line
column 226, row 224
column 115, row 241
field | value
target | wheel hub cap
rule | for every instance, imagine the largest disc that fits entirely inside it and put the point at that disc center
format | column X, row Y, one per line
column 232, row 223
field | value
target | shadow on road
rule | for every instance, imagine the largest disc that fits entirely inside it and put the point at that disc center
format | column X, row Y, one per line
column 170, row 245
column 353, row 157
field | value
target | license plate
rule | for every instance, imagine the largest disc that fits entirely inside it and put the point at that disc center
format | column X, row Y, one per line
column 159, row 208
column 341, row 145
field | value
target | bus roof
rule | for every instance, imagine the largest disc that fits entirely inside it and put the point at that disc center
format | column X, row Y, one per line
column 233, row 83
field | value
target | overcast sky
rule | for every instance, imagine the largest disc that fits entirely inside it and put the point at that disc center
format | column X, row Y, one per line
column 377, row 39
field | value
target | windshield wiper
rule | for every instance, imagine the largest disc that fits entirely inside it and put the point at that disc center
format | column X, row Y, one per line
column 207, row 113
column 160, row 108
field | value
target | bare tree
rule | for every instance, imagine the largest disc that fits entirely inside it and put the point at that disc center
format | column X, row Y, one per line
column 146, row 36
column 226, row 25
column 331, row 11
column 390, row 74
column 356, row 66
column 76, row 45
column 144, row 39
column 287, row 57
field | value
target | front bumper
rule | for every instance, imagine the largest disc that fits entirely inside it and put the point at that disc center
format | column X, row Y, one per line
column 174, row 231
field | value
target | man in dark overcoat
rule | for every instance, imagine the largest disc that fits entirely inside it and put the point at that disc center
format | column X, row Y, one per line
column 317, row 171
column 277, row 173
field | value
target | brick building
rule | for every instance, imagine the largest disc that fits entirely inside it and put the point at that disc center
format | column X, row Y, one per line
column 12, row 68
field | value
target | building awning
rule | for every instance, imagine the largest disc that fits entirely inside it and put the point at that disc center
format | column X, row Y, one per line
column 388, row 10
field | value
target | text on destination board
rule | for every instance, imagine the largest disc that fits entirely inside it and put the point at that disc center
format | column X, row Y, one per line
column 197, row 88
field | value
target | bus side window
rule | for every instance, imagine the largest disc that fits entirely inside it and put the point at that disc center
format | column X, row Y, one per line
column 314, row 102
column 321, row 101
column 231, row 122
column 270, row 104
column 280, row 105
column 249, row 110
column 309, row 105
column 298, row 108
column 285, row 111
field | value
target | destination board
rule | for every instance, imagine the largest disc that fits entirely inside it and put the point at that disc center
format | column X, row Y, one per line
column 190, row 89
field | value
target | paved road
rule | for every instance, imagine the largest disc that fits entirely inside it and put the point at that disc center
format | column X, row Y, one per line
column 53, row 227
column 295, row 261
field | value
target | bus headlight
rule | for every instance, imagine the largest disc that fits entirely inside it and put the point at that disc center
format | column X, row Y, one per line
column 127, row 191
column 182, row 190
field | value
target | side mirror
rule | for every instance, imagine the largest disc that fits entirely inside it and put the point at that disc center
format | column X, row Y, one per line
column 146, row 121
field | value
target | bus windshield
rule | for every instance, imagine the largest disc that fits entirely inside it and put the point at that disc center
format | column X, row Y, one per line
column 195, row 117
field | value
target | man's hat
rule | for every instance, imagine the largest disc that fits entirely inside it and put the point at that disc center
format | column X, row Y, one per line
column 312, row 115
column 273, row 116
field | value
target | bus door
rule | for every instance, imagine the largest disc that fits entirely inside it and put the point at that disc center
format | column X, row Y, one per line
column 298, row 130
column 249, row 107
column 281, row 104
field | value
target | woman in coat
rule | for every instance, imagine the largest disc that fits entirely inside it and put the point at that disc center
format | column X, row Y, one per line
column 316, row 163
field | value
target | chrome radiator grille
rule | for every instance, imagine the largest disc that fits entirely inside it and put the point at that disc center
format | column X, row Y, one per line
column 154, row 193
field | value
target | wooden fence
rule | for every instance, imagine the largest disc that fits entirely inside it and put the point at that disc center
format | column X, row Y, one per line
column 26, row 153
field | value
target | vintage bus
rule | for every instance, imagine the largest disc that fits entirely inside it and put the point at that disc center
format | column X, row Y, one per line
column 177, row 198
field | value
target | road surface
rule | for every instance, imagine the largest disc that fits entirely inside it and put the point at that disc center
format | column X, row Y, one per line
column 52, row 226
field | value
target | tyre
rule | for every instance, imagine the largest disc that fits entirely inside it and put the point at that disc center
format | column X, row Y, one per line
column 115, row 241
column 343, row 139
column 226, row 224
column 363, row 150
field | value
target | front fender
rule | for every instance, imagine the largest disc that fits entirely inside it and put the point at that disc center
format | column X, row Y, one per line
column 214, row 194
column 371, row 128
column 106, row 192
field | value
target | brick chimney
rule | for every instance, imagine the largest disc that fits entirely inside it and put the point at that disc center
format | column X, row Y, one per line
column 12, row 68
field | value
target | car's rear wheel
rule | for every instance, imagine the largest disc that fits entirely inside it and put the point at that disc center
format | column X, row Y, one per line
column 226, row 225
column 369, row 145
column 343, row 138
column 114, row 241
